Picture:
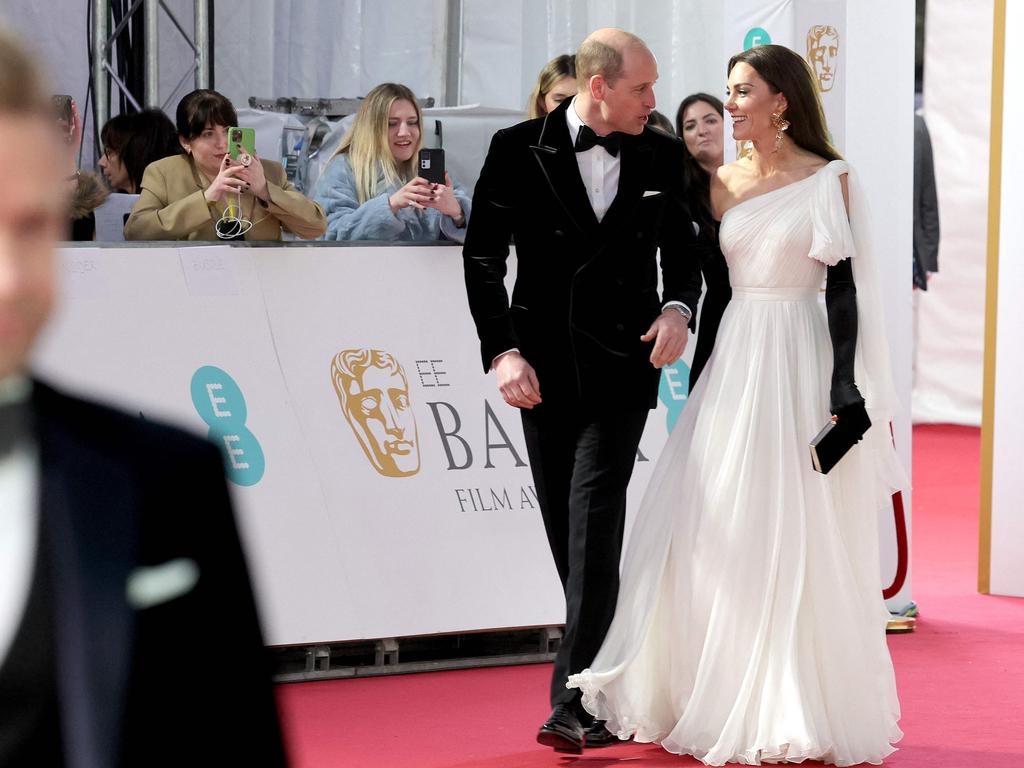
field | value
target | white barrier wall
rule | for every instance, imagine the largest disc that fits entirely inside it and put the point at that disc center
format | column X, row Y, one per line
column 1001, row 564
column 344, row 545
column 441, row 533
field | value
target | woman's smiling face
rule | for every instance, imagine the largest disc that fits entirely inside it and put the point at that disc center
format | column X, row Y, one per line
column 751, row 103
column 403, row 130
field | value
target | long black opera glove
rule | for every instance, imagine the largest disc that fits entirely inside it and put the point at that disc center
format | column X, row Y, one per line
column 841, row 304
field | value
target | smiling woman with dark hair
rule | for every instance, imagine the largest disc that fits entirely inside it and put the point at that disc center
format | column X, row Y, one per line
column 699, row 123
column 186, row 197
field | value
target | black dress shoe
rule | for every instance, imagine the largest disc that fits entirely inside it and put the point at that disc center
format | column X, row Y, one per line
column 599, row 736
column 563, row 731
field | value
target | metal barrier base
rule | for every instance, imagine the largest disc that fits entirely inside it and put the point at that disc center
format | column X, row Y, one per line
column 425, row 653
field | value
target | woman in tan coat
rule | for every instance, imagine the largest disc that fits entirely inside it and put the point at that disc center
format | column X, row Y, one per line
column 184, row 197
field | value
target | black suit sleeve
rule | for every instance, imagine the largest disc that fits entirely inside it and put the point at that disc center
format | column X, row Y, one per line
column 680, row 248
column 927, row 214
column 188, row 513
column 717, row 295
column 486, row 251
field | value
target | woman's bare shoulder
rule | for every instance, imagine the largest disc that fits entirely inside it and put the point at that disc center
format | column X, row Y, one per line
column 724, row 182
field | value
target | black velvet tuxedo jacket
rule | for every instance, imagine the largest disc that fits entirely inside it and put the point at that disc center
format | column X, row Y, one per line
column 585, row 290
column 185, row 679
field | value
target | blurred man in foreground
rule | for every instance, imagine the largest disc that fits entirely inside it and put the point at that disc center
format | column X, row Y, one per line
column 128, row 629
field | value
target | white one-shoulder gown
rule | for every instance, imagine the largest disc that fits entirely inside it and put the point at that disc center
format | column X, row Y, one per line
column 750, row 625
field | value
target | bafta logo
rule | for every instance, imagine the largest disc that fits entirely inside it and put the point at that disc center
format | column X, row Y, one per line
column 823, row 54
column 374, row 396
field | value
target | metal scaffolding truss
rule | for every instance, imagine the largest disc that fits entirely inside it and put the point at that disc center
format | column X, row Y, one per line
column 103, row 39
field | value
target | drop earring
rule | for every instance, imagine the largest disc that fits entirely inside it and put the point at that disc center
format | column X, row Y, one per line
column 781, row 125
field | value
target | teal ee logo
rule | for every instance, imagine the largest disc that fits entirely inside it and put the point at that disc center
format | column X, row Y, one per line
column 220, row 403
column 756, row 36
column 673, row 389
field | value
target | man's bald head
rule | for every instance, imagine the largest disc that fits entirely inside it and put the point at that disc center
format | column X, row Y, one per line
column 616, row 73
column 603, row 53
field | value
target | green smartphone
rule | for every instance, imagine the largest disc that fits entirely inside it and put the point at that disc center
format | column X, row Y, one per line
column 241, row 140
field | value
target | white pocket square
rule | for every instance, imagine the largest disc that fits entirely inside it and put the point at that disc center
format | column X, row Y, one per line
column 152, row 585
column 652, row 192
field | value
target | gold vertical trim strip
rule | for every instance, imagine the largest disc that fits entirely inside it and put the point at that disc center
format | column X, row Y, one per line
column 995, row 170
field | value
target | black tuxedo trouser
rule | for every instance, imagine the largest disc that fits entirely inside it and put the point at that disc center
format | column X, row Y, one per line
column 581, row 466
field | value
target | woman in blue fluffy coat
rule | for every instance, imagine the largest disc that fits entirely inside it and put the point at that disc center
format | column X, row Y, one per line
column 370, row 190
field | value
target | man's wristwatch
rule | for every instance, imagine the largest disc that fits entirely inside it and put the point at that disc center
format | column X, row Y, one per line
column 681, row 310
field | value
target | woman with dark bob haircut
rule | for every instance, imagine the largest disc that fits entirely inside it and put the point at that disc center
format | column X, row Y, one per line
column 750, row 624
column 131, row 142
column 204, row 195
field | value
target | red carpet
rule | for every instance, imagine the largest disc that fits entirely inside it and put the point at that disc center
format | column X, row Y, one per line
column 960, row 675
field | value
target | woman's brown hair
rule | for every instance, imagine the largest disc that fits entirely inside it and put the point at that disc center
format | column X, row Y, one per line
column 697, row 180
column 786, row 72
column 553, row 71
column 201, row 108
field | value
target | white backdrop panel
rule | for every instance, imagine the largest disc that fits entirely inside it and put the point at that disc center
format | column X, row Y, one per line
column 957, row 70
column 880, row 81
column 525, row 34
column 1007, row 565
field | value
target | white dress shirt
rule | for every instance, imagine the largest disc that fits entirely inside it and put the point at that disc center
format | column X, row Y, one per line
column 598, row 169
column 19, row 521
column 600, row 174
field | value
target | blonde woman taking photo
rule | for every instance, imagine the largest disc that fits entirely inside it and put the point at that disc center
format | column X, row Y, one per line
column 370, row 190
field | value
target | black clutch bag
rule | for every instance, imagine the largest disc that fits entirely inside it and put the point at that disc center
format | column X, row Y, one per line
column 842, row 432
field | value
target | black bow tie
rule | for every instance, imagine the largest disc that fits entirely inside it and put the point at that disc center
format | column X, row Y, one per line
column 587, row 139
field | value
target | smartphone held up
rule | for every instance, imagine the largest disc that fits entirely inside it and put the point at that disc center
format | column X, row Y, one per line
column 431, row 165
column 242, row 145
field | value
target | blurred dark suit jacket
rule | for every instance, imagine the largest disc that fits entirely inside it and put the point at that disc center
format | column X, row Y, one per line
column 184, row 679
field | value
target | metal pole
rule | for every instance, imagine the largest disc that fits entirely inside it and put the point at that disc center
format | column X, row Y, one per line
column 100, row 54
column 453, row 60
column 151, row 9
column 202, row 43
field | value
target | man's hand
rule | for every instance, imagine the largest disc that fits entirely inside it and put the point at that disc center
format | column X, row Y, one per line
column 517, row 380
column 669, row 334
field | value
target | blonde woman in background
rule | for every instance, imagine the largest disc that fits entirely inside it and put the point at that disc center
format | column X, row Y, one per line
column 555, row 83
column 370, row 190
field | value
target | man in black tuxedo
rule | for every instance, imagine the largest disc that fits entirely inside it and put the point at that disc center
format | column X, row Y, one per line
column 588, row 194
column 128, row 629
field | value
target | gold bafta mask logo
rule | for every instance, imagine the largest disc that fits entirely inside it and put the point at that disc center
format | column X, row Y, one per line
column 823, row 54
column 374, row 396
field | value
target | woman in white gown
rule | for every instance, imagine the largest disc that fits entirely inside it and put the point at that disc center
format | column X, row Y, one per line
column 750, row 626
